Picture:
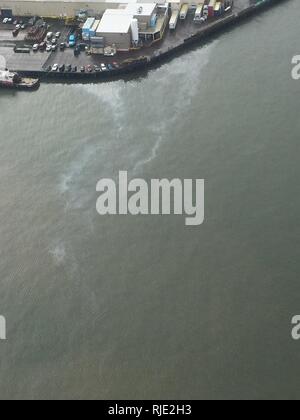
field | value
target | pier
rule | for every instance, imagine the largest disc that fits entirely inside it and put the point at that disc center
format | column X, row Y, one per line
column 187, row 34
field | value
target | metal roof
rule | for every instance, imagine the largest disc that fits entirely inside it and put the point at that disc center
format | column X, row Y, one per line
column 113, row 22
column 141, row 9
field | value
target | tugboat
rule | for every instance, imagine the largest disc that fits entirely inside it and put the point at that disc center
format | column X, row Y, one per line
column 14, row 81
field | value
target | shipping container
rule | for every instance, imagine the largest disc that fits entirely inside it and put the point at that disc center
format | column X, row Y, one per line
column 88, row 24
column 87, row 27
column 174, row 20
column 199, row 12
column 211, row 8
column 218, row 9
column 22, row 50
column 94, row 28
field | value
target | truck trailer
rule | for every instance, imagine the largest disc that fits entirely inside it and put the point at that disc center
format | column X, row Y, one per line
column 184, row 11
column 199, row 13
column 174, row 20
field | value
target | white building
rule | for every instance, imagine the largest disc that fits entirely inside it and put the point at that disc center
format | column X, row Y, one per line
column 115, row 28
column 123, row 27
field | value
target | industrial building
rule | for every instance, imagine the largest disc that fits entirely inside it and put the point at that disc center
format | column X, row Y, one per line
column 62, row 8
column 116, row 29
column 121, row 23
column 125, row 27
column 118, row 25
column 71, row 8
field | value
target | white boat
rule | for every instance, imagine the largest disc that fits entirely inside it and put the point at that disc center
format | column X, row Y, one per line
column 6, row 78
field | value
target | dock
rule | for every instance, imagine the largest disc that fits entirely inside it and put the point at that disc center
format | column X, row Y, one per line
column 186, row 35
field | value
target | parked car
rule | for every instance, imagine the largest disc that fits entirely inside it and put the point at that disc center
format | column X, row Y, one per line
column 54, row 41
column 57, row 35
column 5, row 21
column 74, row 69
column 68, row 68
column 35, row 47
column 42, row 46
column 62, row 46
column 89, row 69
column 18, row 27
column 82, row 69
column 15, row 32
column 62, row 68
column 97, row 69
column 49, row 48
column 72, row 40
column 49, row 35
column 55, row 67
column 54, row 48
column 82, row 46
column 103, row 67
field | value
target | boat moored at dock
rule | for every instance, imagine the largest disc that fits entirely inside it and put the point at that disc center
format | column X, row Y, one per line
column 14, row 81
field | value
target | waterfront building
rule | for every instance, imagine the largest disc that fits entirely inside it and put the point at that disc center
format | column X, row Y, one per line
column 63, row 8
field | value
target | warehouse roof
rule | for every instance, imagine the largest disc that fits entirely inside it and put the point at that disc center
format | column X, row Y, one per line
column 114, row 23
column 141, row 9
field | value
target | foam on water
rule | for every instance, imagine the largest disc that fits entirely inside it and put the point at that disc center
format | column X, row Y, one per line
column 132, row 146
column 185, row 92
column 58, row 253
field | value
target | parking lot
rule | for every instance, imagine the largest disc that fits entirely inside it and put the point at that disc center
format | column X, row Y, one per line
column 27, row 62
column 38, row 60
column 6, row 53
column 6, row 34
column 67, row 57
column 33, row 61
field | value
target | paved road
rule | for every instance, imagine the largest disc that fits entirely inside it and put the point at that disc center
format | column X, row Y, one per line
column 28, row 62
